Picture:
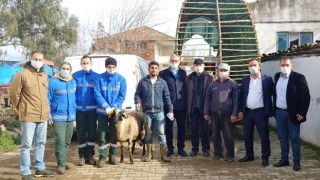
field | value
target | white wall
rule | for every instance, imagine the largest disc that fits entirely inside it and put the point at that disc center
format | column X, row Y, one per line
column 308, row 66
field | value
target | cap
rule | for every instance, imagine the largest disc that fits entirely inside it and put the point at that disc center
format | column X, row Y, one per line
column 198, row 61
column 224, row 66
column 110, row 61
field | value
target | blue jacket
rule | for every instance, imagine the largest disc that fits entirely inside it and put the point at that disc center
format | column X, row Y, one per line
column 153, row 97
column 177, row 87
column 62, row 99
column 267, row 91
column 85, row 95
column 222, row 98
column 109, row 91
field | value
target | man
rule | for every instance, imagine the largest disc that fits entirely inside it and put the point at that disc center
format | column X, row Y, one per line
column 29, row 96
column 255, row 107
column 222, row 104
column 86, row 111
column 153, row 96
column 292, row 104
column 175, row 78
column 197, row 83
column 109, row 92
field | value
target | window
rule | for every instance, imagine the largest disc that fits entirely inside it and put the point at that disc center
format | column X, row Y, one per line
column 289, row 39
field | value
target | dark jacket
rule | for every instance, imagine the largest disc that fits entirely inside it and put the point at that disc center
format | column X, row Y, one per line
column 189, row 84
column 222, row 98
column 267, row 92
column 153, row 97
column 298, row 95
column 177, row 87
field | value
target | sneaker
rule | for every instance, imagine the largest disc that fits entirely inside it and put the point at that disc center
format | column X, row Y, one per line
column 100, row 163
column 206, row 153
column 193, row 153
column 68, row 166
column 182, row 153
column 90, row 160
column 169, row 153
column 26, row 177
column 217, row 157
column 61, row 169
column 82, row 161
column 230, row 159
column 44, row 173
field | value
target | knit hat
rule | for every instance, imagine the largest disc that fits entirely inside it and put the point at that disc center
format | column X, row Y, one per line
column 110, row 61
column 64, row 64
column 198, row 61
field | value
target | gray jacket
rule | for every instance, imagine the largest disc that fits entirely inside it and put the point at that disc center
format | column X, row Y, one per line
column 222, row 98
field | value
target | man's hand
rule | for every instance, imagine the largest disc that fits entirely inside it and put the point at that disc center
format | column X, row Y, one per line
column 138, row 106
column 170, row 116
column 299, row 117
column 108, row 110
column 233, row 119
column 240, row 115
column 206, row 117
column 50, row 122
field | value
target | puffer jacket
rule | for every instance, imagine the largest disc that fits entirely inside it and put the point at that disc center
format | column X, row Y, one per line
column 109, row 91
column 153, row 97
column 85, row 93
column 29, row 94
column 222, row 98
column 62, row 99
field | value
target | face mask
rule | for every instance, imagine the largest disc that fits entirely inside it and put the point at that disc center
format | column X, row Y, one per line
column 111, row 71
column 223, row 75
column 285, row 70
column 174, row 66
column 36, row 64
column 86, row 67
column 198, row 69
column 254, row 70
column 64, row 73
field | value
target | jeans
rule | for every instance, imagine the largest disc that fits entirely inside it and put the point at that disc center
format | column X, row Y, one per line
column 155, row 121
column 180, row 117
column 107, row 134
column 286, row 129
column 30, row 131
column 87, row 129
column 197, row 120
column 63, row 133
column 222, row 123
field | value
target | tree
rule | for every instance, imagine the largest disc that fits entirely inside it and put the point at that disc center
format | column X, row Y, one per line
column 38, row 25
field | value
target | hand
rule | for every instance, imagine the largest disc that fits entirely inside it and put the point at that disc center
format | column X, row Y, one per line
column 299, row 117
column 233, row 119
column 108, row 110
column 206, row 117
column 170, row 116
column 138, row 106
column 50, row 122
column 240, row 115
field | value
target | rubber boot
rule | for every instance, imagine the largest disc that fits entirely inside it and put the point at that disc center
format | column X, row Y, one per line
column 112, row 160
column 149, row 154
column 164, row 157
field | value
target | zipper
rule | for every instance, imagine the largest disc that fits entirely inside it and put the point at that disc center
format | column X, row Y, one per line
column 153, row 85
column 40, row 96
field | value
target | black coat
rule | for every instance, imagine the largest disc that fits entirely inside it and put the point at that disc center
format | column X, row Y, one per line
column 298, row 95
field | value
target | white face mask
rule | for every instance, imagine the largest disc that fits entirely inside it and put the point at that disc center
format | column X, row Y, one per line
column 254, row 70
column 36, row 64
column 285, row 70
column 86, row 67
column 111, row 71
column 198, row 69
column 174, row 66
column 64, row 73
column 224, row 75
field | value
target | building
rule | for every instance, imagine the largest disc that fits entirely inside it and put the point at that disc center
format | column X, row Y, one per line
column 144, row 41
column 281, row 24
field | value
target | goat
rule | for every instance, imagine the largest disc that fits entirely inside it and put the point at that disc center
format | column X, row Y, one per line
column 130, row 128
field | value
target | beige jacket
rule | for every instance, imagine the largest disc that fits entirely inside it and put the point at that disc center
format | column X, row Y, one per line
column 29, row 94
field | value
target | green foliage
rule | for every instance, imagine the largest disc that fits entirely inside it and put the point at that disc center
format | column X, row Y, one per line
column 7, row 142
column 15, row 124
column 38, row 25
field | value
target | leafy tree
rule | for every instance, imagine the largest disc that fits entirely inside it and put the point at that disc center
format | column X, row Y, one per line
column 38, row 25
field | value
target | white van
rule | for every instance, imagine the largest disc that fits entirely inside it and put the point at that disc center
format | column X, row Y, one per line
column 132, row 67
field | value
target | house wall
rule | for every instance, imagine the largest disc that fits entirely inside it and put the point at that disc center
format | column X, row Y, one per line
column 272, row 16
column 308, row 67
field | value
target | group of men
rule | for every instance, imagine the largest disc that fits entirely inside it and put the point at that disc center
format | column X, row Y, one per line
column 166, row 96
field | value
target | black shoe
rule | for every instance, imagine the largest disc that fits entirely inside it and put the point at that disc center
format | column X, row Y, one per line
column 169, row 153
column 246, row 159
column 91, row 161
column 206, row 153
column 296, row 167
column 182, row 153
column 193, row 153
column 230, row 159
column 281, row 163
column 265, row 163
column 217, row 157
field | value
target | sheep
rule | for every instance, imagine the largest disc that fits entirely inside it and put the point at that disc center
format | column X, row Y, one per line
column 129, row 127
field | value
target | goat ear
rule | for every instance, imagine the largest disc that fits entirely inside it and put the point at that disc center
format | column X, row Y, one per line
column 125, row 115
